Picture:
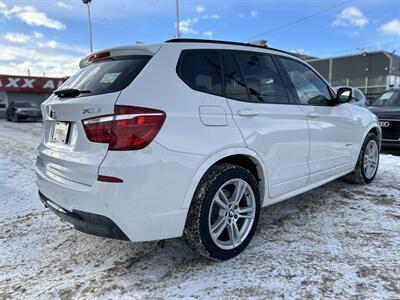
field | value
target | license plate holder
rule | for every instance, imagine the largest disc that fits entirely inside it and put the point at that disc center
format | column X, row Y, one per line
column 60, row 132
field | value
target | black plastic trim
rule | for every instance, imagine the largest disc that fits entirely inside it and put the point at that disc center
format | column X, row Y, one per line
column 224, row 53
column 87, row 222
column 390, row 143
column 285, row 79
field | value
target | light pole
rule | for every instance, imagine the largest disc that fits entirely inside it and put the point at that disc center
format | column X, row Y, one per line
column 87, row 3
column 178, row 33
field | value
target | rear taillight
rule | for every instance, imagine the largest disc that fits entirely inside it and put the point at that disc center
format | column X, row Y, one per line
column 129, row 128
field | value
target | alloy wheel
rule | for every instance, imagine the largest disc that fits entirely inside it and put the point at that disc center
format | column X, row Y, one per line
column 371, row 157
column 232, row 214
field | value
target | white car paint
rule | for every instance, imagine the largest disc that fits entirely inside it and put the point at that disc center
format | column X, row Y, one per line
column 279, row 134
column 331, row 139
column 295, row 148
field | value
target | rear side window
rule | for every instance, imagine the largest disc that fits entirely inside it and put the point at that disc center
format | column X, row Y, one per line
column 262, row 78
column 201, row 70
column 235, row 87
column 107, row 76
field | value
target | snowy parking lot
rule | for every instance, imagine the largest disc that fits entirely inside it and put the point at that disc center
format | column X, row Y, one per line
column 339, row 240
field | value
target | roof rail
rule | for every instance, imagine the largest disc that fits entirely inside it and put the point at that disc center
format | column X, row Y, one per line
column 223, row 42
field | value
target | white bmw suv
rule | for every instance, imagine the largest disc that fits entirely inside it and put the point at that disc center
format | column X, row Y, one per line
column 191, row 138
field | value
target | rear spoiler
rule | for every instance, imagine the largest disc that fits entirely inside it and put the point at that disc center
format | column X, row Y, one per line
column 120, row 51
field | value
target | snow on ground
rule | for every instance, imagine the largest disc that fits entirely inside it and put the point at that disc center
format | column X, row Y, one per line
column 337, row 241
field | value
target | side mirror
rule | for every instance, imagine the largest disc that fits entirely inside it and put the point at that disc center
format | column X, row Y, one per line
column 344, row 95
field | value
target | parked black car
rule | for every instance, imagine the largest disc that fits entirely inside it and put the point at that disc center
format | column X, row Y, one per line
column 387, row 108
column 23, row 111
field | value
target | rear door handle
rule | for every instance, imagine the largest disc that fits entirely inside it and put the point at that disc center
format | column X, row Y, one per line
column 247, row 113
column 313, row 115
column 357, row 120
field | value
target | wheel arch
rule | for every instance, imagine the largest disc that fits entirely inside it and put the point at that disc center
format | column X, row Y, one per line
column 374, row 128
column 240, row 156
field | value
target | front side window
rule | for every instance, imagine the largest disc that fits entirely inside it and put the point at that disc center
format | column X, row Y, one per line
column 311, row 90
column 201, row 70
column 262, row 78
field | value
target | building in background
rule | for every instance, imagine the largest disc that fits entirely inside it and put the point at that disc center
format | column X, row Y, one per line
column 27, row 88
column 371, row 72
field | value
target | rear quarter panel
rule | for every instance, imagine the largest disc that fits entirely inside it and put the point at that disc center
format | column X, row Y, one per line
column 159, row 86
column 367, row 123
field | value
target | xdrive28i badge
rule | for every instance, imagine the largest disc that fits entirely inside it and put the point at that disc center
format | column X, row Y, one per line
column 91, row 110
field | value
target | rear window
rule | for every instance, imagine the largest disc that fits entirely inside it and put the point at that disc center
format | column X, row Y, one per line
column 201, row 70
column 107, row 76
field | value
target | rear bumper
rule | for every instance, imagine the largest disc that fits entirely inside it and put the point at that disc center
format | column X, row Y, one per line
column 390, row 143
column 86, row 222
column 147, row 205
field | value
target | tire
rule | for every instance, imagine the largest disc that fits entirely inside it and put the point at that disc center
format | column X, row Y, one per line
column 360, row 174
column 205, row 212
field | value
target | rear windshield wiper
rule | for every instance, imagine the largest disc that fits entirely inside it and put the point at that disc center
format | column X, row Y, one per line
column 70, row 92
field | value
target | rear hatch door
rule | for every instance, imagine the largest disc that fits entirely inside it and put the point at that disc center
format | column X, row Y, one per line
column 65, row 154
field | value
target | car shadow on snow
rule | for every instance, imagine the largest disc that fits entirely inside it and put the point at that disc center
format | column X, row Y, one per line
column 294, row 236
